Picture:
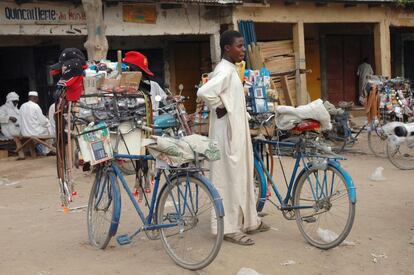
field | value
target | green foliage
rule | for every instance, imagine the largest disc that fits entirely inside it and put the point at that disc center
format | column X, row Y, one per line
column 405, row 3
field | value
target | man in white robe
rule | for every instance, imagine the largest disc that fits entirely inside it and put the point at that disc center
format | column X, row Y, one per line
column 32, row 120
column 232, row 175
column 364, row 71
column 9, row 116
column 51, row 115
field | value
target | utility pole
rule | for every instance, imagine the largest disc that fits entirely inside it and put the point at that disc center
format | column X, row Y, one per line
column 96, row 44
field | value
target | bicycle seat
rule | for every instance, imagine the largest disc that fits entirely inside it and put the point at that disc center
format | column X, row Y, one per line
column 288, row 117
column 306, row 125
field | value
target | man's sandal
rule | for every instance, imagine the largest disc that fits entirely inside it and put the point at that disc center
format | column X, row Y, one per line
column 262, row 228
column 238, row 238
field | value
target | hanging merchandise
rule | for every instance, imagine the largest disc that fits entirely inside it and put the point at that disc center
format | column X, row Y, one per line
column 396, row 101
column 95, row 143
column 257, row 83
column 100, row 104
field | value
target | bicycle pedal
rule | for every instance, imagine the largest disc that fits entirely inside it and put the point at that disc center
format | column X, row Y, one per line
column 123, row 239
column 309, row 219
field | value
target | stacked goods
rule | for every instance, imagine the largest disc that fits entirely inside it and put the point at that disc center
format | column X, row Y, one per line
column 115, row 97
column 106, row 81
column 396, row 99
column 279, row 58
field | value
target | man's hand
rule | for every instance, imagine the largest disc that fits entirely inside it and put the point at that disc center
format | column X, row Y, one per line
column 13, row 119
column 221, row 112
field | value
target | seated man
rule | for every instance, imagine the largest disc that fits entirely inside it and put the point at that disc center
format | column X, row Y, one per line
column 9, row 116
column 32, row 120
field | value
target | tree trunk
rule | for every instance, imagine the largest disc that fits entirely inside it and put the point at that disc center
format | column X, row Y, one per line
column 96, row 44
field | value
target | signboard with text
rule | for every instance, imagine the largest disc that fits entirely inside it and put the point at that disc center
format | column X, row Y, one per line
column 41, row 14
column 139, row 13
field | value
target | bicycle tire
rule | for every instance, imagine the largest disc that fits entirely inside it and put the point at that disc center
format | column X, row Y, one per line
column 323, row 238
column 395, row 151
column 260, row 189
column 335, row 140
column 104, row 197
column 376, row 143
column 167, row 234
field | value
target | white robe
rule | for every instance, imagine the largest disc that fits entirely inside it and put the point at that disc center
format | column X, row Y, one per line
column 364, row 70
column 9, row 128
column 51, row 115
column 32, row 120
column 232, row 175
column 157, row 90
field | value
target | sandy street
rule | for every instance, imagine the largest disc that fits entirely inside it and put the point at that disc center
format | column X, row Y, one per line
column 36, row 237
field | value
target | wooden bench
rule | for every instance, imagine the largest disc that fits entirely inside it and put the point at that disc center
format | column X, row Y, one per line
column 6, row 145
column 30, row 143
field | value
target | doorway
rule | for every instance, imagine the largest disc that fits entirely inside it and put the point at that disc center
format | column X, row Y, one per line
column 191, row 60
column 344, row 53
column 408, row 60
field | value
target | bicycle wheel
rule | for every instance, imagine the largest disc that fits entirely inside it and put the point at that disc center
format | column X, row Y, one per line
column 337, row 137
column 377, row 141
column 401, row 156
column 330, row 214
column 195, row 240
column 259, row 187
column 104, row 208
column 335, row 141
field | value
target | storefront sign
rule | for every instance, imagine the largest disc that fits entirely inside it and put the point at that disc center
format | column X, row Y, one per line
column 139, row 13
column 41, row 14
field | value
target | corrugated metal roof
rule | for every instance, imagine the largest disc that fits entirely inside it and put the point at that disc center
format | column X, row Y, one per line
column 367, row 1
column 204, row 2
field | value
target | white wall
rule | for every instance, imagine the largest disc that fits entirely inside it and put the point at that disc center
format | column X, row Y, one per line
column 191, row 19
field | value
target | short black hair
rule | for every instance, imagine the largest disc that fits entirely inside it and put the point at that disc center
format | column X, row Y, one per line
column 227, row 38
column 365, row 59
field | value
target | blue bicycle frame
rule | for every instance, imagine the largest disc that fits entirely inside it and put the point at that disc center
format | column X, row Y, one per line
column 148, row 221
column 264, row 174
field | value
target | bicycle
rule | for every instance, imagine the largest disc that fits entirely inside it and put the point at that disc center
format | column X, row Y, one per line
column 313, row 194
column 342, row 135
column 400, row 148
column 183, row 209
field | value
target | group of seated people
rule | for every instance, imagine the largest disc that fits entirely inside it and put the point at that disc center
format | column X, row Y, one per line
column 28, row 121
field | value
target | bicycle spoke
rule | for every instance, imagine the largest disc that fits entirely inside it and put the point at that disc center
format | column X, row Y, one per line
column 329, row 220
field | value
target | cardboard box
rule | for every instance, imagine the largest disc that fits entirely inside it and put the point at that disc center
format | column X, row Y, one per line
column 130, row 81
column 109, row 84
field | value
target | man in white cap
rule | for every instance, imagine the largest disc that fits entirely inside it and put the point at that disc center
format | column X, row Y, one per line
column 9, row 116
column 32, row 120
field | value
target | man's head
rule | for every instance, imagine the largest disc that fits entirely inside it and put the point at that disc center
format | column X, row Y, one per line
column 365, row 60
column 34, row 96
column 232, row 46
column 13, row 97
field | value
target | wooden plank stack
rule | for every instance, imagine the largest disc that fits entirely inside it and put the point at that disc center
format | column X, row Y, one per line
column 279, row 58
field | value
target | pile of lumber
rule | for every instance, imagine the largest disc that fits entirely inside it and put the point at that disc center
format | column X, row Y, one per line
column 279, row 58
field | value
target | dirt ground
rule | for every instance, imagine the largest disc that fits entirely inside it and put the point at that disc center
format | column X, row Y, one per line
column 36, row 237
